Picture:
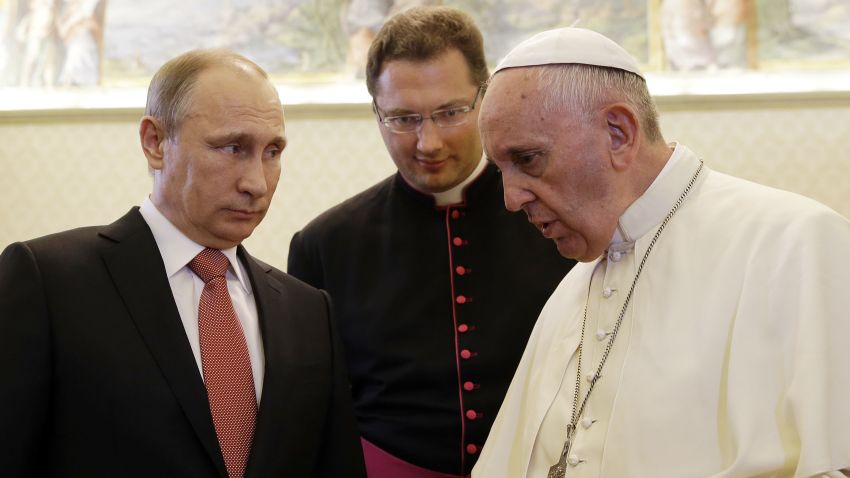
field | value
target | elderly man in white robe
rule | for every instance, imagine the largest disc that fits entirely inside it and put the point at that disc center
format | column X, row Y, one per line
column 704, row 334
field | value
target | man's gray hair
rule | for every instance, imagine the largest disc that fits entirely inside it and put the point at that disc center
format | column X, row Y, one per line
column 581, row 89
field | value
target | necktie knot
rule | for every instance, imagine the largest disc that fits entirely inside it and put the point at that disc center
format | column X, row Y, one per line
column 209, row 264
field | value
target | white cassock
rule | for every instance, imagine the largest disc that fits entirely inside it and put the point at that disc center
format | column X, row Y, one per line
column 731, row 360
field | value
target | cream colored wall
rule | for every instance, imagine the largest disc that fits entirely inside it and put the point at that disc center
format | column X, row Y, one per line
column 63, row 170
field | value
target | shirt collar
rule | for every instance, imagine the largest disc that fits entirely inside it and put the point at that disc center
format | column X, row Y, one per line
column 455, row 194
column 177, row 250
column 655, row 203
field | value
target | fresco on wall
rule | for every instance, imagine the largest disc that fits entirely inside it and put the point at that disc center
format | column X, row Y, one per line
column 120, row 43
column 51, row 42
column 799, row 33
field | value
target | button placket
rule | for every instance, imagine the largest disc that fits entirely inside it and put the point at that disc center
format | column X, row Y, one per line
column 617, row 267
column 605, row 303
column 607, row 293
column 461, row 272
column 458, row 267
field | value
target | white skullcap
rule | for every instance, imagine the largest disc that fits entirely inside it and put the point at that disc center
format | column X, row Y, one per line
column 570, row 45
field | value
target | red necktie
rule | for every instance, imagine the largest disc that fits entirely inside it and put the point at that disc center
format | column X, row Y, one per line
column 226, row 364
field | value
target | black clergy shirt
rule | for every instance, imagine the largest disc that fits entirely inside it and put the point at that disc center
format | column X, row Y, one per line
column 434, row 305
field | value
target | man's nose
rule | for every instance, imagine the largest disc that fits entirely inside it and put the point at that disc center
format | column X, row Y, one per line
column 253, row 179
column 516, row 195
column 429, row 137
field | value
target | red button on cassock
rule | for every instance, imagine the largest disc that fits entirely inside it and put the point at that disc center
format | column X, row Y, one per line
column 472, row 448
column 455, row 214
column 461, row 299
column 471, row 414
column 468, row 386
column 457, row 241
column 465, row 353
column 462, row 328
column 460, row 270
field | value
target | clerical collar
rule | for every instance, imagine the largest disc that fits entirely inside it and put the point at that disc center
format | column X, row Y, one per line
column 455, row 194
column 177, row 249
column 650, row 208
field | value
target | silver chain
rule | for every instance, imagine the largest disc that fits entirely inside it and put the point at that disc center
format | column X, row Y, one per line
column 577, row 411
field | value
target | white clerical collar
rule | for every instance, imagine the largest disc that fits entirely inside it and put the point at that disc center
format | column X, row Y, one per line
column 455, row 194
column 649, row 209
column 176, row 249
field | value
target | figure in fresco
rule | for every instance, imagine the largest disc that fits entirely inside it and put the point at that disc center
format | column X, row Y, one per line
column 81, row 30
column 9, row 53
column 36, row 35
column 52, row 42
column 705, row 34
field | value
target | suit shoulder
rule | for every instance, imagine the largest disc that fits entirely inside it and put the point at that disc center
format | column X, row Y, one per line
column 77, row 240
column 79, row 234
column 293, row 283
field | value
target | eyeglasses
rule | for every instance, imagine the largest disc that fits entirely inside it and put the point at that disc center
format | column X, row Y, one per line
column 444, row 118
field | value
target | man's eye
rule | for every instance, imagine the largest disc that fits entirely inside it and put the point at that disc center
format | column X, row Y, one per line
column 274, row 152
column 405, row 120
column 231, row 148
column 524, row 159
column 450, row 113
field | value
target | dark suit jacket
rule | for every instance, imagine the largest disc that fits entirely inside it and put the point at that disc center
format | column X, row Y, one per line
column 97, row 378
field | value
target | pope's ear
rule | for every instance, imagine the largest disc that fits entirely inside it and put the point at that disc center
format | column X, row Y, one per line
column 623, row 129
column 153, row 140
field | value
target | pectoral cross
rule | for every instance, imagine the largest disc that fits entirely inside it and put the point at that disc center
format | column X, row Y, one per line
column 559, row 470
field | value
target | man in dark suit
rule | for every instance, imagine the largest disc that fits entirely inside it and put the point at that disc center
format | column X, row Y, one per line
column 157, row 346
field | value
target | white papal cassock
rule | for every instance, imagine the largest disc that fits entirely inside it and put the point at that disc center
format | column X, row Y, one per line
column 731, row 361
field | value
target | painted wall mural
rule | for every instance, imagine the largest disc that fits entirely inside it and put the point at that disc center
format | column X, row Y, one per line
column 70, row 44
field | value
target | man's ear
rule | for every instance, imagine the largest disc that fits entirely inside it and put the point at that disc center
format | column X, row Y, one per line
column 153, row 140
column 623, row 129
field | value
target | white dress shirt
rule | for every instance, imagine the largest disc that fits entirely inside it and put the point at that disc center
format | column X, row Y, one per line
column 177, row 251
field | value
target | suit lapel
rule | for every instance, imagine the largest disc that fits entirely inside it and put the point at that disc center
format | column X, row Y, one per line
column 272, row 310
column 136, row 267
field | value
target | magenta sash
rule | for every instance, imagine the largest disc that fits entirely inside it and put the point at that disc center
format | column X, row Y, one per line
column 380, row 464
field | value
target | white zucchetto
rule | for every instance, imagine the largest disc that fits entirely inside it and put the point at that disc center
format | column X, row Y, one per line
column 569, row 45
